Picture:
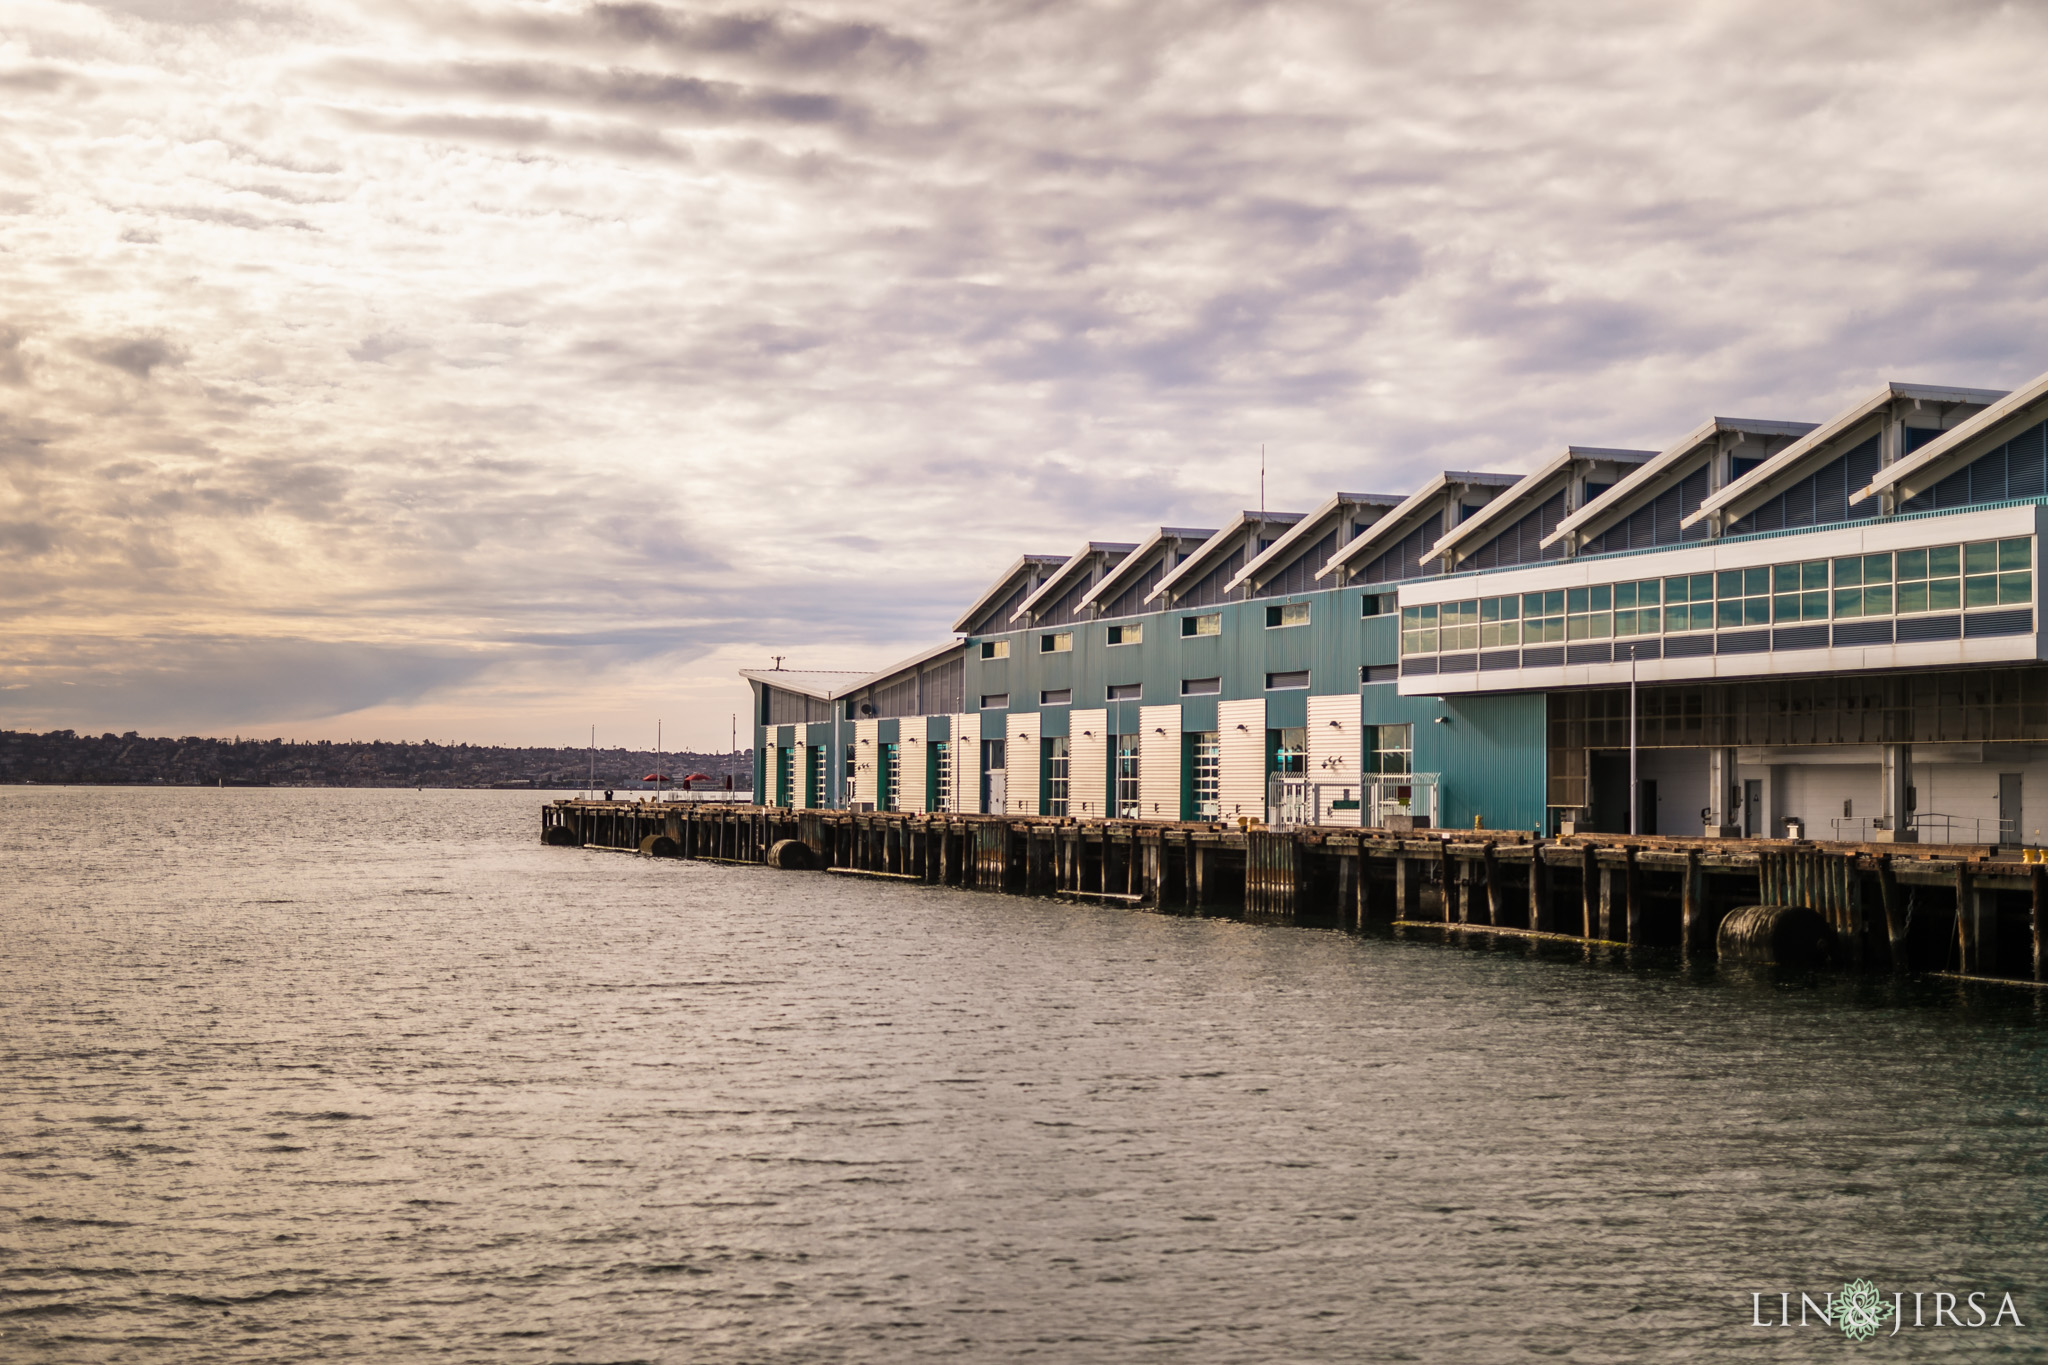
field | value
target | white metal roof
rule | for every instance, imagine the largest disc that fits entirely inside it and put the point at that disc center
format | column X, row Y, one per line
column 1382, row 531
column 826, row 684
column 1789, row 463
column 1059, row 577
column 1309, row 528
column 1518, row 497
column 1924, row 467
column 1133, row 564
column 1199, row 560
column 1002, row 585
column 1611, row 502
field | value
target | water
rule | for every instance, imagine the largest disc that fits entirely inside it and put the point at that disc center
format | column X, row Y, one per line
column 373, row 1076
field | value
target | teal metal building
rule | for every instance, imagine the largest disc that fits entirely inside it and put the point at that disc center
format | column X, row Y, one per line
column 1826, row 628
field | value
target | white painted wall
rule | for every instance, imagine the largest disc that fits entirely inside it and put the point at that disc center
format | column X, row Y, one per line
column 967, row 763
column 1088, row 763
column 1241, row 744
column 914, row 761
column 867, row 760
column 1159, row 763
column 1022, row 755
column 1335, row 754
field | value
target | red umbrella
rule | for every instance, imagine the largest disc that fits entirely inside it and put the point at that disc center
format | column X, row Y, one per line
column 698, row 777
column 654, row 777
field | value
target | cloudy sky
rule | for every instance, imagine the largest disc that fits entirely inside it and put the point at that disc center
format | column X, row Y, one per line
column 483, row 370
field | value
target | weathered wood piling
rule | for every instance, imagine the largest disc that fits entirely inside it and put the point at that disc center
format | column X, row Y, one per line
column 1966, row 910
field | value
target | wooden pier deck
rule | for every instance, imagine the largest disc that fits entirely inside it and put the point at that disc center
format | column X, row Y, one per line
column 1961, row 909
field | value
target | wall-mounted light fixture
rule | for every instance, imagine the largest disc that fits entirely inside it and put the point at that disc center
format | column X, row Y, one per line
column 1440, row 720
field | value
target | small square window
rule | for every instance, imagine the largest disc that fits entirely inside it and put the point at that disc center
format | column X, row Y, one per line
column 1059, row 696
column 1125, row 691
column 1287, row 614
column 1059, row 642
column 1212, row 624
column 995, row 701
column 1127, row 635
column 995, row 649
column 1201, row 687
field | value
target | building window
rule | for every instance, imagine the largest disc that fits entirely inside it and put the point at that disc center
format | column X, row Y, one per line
column 1287, row 751
column 817, row 757
column 1863, row 586
column 995, row 649
column 1126, row 750
column 1589, row 612
column 1056, row 775
column 1201, row 687
column 942, row 772
column 1059, row 642
column 1500, row 622
column 1742, row 597
column 1639, row 608
column 1126, row 691
column 1799, row 592
column 1286, row 614
column 1211, row 624
column 785, row 780
column 1205, row 773
column 1057, row 696
column 1689, row 601
column 1393, row 749
column 1376, row 604
column 846, row 794
column 1127, row 635
column 892, row 777
column 1418, row 630
column 1460, row 625
column 1287, row 682
column 994, row 701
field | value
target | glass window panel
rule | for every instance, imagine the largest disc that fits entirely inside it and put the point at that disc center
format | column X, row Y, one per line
column 1785, row 578
column 1813, row 606
column 1532, row 604
column 1877, row 568
column 1848, row 602
column 1912, row 564
column 1877, row 600
column 1813, row 575
column 1981, row 557
column 1913, row 596
column 1624, row 596
column 1731, row 584
column 1577, row 627
column 1603, row 624
column 1677, row 589
column 1980, row 590
column 1756, row 582
column 2015, row 587
column 1411, row 617
column 1649, row 620
column 1489, row 610
column 1849, row 572
column 1649, row 593
column 1785, row 607
column 1944, row 594
column 1603, row 597
column 1756, row 611
column 1625, row 620
column 1702, row 587
column 1731, row 612
column 2016, row 554
column 1944, row 561
column 1553, row 602
column 1428, row 615
column 1575, row 599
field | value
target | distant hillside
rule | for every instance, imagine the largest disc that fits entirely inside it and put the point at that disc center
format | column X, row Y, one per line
column 64, row 757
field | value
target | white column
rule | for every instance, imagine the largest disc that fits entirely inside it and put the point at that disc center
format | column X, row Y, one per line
column 1336, row 755
column 1241, row 749
column 1088, row 763
column 1159, row 757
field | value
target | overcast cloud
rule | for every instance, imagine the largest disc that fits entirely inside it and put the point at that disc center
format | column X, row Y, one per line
column 482, row 370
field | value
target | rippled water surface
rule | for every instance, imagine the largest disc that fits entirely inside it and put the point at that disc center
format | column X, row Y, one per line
column 374, row 1076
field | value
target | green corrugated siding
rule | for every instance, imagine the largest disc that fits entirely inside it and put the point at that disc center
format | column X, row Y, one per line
column 1489, row 753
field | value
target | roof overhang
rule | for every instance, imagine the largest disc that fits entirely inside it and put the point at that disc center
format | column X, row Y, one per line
column 1198, row 562
column 1133, row 564
column 1306, row 531
column 1390, row 527
column 1532, row 491
column 1845, row 428
column 996, row 590
column 825, row 684
column 1610, row 503
column 1061, row 577
column 1926, row 466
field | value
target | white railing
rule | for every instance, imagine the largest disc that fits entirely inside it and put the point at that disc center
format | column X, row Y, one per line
column 1416, row 795
column 1933, row 827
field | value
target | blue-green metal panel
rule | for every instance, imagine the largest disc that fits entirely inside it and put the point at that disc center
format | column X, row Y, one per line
column 1489, row 752
column 1382, row 639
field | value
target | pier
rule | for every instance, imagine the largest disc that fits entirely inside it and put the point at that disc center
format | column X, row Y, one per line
column 1967, row 910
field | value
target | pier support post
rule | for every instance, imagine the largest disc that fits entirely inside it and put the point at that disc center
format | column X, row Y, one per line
column 1632, row 887
column 1969, row 935
column 1605, row 876
column 2040, row 889
column 1404, row 888
column 1540, row 918
column 1589, row 891
column 1496, row 902
column 1691, row 911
